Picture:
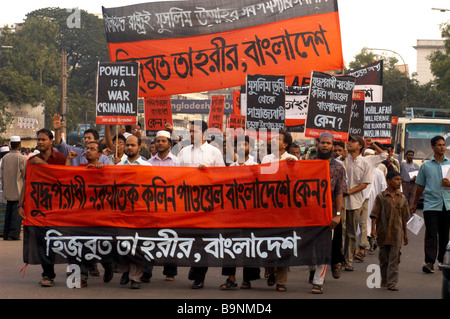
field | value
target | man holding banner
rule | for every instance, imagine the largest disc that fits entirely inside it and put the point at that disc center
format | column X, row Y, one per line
column 163, row 157
column 338, row 188
column 133, row 270
column 199, row 154
column 47, row 155
column 249, row 273
column 281, row 142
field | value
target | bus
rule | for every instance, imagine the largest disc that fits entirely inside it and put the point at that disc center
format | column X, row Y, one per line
column 417, row 128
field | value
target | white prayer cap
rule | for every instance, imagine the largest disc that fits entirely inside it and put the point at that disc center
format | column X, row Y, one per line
column 4, row 149
column 15, row 138
column 369, row 151
column 164, row 134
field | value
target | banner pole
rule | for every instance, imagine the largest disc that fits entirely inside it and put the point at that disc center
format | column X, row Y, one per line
column 117, row 137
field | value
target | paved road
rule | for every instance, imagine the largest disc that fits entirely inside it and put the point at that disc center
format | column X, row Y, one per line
column 413, row 283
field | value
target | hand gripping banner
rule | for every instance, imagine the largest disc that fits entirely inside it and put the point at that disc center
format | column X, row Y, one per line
column 204, row 45
column 221, row 216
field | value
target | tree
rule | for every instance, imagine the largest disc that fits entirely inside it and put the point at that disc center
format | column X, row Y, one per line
column 394, row 82
column 31, row 71
column 440, row 65
column 85, row 46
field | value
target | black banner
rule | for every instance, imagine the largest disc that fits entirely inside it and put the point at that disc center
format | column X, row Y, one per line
column 265, row 102
column 177, row 19
column 330, row 105
column 117, row 92
column 369, row 79
column 378, row 122
column 181, row 246
column 357, row 120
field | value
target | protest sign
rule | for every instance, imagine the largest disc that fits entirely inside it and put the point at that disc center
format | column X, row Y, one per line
column 296, row 107
column 211, row 217
column 236, row 122
column 357, row 118
column 265, row 102
column 378, row 122
column 369, row 79
column 205, row 45
column 237, row 102
column 329, row 105
column 215, row 121
column 157, row 112
column 117, row 93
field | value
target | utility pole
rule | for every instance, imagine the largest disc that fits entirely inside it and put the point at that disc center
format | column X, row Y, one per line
column 64, row 92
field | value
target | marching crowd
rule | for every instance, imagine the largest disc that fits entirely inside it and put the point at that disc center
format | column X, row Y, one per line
column 373, row 195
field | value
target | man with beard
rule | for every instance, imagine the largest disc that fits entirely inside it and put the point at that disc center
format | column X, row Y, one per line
column 133, row 270
column 47, row 155
column 338, row 188
column 163, row 157
column 199, row 154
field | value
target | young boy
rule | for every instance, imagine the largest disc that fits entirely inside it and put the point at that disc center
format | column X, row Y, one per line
column 389, row 216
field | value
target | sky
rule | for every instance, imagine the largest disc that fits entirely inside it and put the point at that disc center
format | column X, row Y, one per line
column 394, row 25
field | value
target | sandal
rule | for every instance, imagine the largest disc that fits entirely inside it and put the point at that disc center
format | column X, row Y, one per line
column 336, row 270
column 281, row 288
column 46, row 282
column 271, row 280
column 317, row 289
column 169, row 278
column 359, row 256
column 348, row 268
column 228, row 284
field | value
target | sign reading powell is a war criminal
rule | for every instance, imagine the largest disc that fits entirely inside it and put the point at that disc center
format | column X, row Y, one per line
column 117, row 93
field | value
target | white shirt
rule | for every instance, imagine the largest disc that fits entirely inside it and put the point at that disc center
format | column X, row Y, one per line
column 250, row 161
column 377, row 186
column 206, row 154
column 358, row 172
column 140, row 161
column 272, row 158
column 122, row 159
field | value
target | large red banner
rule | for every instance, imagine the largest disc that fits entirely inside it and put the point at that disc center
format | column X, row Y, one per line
column 194, row 62
column 295, row 194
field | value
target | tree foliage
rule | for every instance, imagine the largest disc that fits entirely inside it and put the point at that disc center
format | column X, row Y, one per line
column 440, row 65
column 30, row 72
column 402, row 91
